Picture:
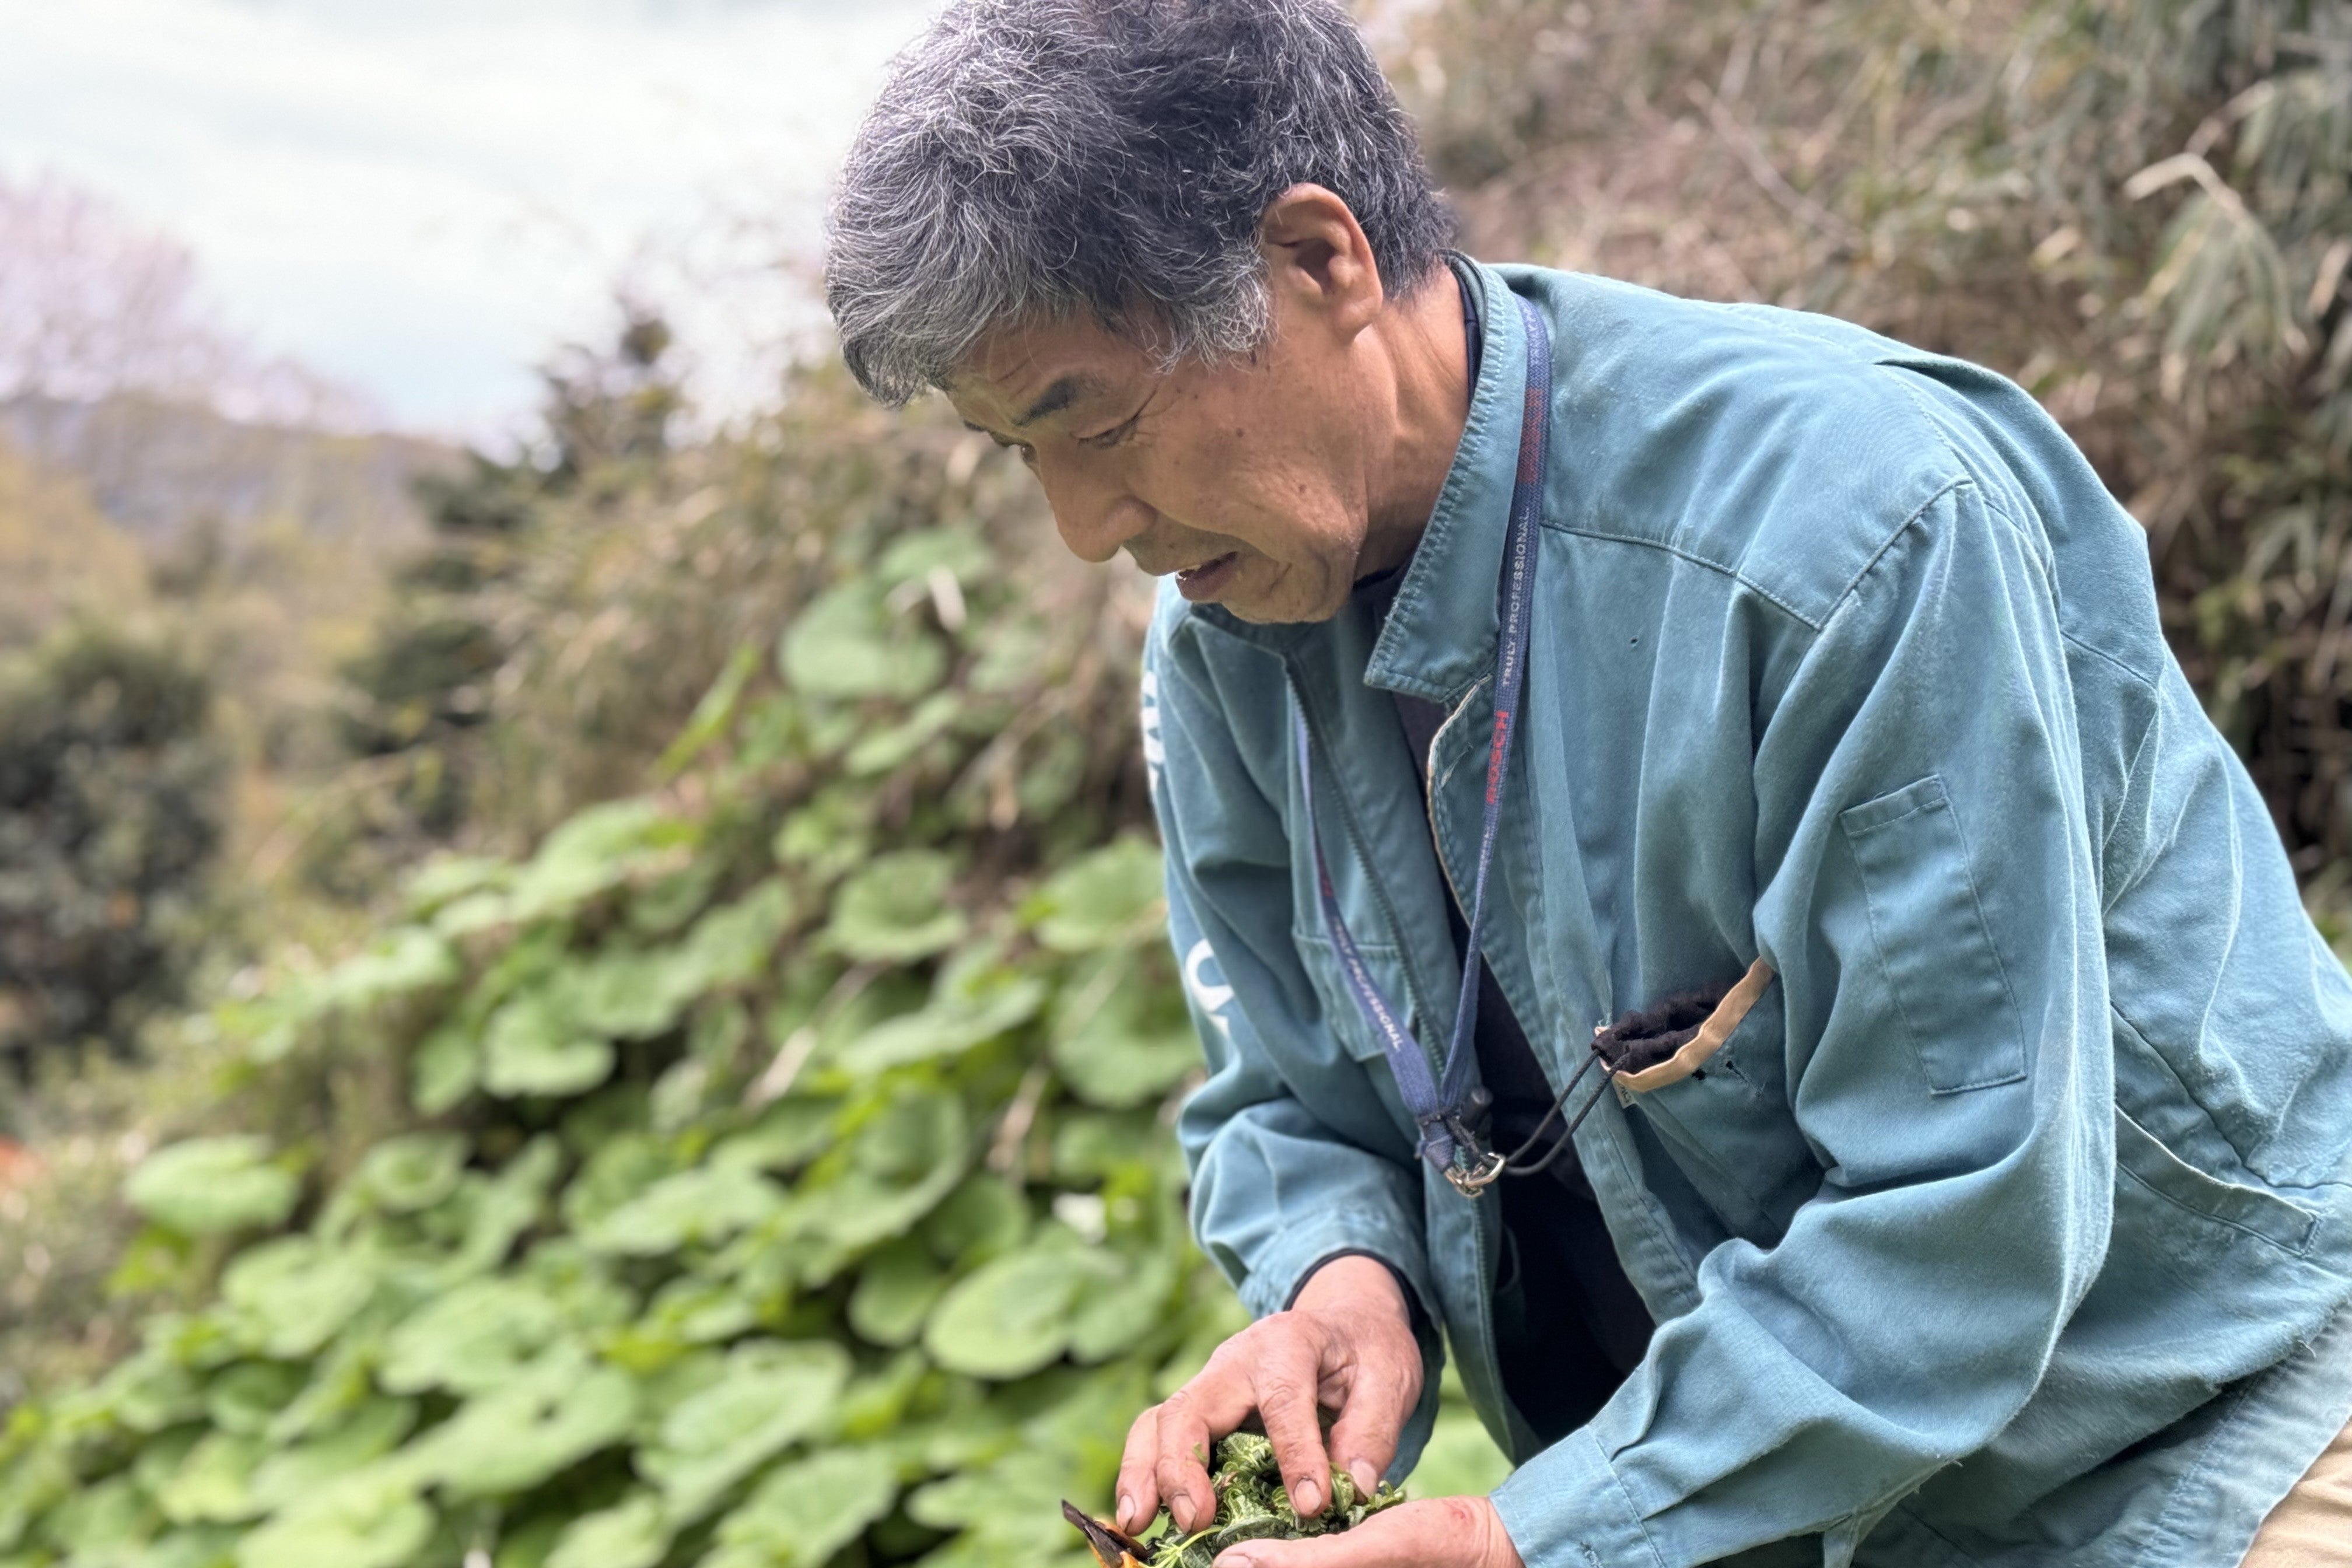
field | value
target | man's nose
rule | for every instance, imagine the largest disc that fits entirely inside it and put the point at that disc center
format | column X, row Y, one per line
column 1093, row 517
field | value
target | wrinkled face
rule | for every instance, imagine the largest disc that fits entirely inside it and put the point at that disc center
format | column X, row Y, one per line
column 1247, row 478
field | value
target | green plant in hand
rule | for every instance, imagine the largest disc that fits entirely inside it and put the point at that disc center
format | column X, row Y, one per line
column 1252, row 1504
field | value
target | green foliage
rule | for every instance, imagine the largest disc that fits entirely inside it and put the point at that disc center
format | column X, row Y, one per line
column 2140, row 209
column 112, row 805
column 754, row 1201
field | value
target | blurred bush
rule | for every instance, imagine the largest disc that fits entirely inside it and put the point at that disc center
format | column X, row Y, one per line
column 111, row 804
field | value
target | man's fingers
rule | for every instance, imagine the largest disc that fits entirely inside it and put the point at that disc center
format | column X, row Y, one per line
column 1188, row 1423
column 1138, row 1492
column 1442, row 1533
column 1379, row 1397
column 1286, row 1384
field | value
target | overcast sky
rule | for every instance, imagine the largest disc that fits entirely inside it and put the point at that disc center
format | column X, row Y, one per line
column 422, row 197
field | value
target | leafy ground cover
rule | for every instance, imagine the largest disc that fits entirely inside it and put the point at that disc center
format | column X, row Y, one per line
column 771, row 1168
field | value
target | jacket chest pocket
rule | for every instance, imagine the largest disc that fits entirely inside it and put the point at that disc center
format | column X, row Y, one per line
column 1343, row 1017
column 1729, row 1125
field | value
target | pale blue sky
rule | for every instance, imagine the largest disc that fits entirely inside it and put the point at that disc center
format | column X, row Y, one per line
column 422, row 197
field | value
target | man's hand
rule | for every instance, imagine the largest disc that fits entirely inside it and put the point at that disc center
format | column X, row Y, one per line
column 1346, row 1344
column 1442, row 1533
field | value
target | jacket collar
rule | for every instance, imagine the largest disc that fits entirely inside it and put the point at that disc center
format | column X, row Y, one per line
column 1439, row 638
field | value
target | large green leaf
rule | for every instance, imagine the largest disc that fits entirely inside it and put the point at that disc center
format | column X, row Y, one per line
column 1121, row 1042
column 534, row 1046
column 288, row 1475
column 895, row 1292
column 895, row 909
column 292, row 1295
column 206, row 1186
column 403, row 1175
column 529, row 1428
column 371, row 1519
column 594, row 851
column 847, row 645
column 706, row 1205
column 772, row 1396
column 947, row 1027
column 633, row 1533
column 805, row 1511
column 1011, row 1316
column 1113, row 896
column 471, row 1339
column 213, row 1482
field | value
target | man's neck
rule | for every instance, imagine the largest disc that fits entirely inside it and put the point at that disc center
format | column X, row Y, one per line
column 1432, row 376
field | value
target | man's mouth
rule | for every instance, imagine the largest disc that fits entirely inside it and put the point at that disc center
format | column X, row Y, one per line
column 1201, row 582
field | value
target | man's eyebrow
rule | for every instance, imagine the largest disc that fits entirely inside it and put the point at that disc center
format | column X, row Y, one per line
column 1064, row 390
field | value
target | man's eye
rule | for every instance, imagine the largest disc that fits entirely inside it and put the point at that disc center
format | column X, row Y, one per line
column 1028, row 453
column 1115, row 434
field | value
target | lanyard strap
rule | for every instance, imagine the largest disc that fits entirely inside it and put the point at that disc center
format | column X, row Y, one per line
column 1435, row 1101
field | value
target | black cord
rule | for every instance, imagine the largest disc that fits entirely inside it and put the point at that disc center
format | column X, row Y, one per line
column 1511, row 1166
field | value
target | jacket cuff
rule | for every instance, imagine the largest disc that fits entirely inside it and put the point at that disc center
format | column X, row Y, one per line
column 1280, row 1268
column 1566, row 1508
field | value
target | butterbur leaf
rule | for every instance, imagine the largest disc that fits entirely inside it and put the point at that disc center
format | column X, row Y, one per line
column 207, row 1186
column 369, row 1519
column 593, row 851
column 846, row 643
column 473, row 1337
column 411, row 959
column 446, row 1068
column 104, row 1520
column 772, row 1396
column 212, row 1484
column 195, row 1546
column 803, row 1512
column 895, row 909
column 896, row 1290
column 631, row 1533
column 1126, row 1300
column 1114, row 897
column 708, row 1204
column 246, row 1397
column 524, row 1431
column 374, row 1428
column 150, row 1392
column 983, row 1217
column 788, row 1135
column 1009, row 1316
column 404, row 1174
column 947, row 1027
column 534, row 1047
column 294, row 1295
column 1120, row 1039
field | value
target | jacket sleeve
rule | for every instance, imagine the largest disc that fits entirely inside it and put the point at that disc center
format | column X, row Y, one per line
column 1928, row 893
column 1278, row 1187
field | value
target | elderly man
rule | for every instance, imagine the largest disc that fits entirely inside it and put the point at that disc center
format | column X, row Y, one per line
column 1697, row 875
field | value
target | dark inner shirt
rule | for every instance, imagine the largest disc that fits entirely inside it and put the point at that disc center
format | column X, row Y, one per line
column 1568, row 1325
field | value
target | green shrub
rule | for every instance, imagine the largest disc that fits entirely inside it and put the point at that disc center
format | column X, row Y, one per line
column 112, row 805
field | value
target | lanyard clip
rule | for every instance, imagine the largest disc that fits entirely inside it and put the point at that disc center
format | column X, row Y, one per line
column 1476, row 1177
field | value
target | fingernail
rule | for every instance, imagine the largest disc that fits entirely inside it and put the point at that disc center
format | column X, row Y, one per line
column 1307, row 1498
column 1367, row 1479
column 1236, row 1560
column 1127, row 1520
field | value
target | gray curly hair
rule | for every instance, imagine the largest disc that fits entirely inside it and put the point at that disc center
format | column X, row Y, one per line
column 1039, row 159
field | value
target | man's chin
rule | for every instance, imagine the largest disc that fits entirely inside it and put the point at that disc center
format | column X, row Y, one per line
column 1278, row 604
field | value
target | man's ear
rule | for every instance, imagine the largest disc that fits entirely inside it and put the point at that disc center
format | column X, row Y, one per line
column 1318, row 259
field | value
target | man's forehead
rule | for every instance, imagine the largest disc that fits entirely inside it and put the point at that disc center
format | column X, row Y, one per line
column 1028, row 373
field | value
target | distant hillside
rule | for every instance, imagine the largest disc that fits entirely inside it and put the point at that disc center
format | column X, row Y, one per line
column 157, row 469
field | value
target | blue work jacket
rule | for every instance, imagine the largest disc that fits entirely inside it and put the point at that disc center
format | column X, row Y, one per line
column 2011, row 1226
